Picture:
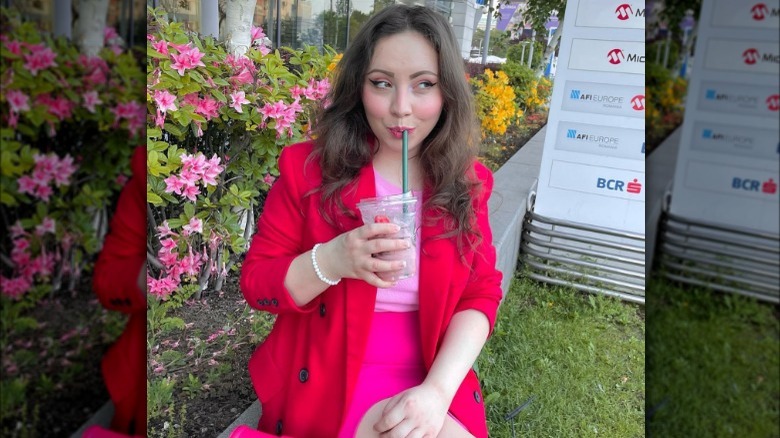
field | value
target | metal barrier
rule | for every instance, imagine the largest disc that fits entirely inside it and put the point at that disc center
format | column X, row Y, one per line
column 726, row 259
column 585, row 257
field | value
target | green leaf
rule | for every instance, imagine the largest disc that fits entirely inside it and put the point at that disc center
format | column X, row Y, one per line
column 173, row 129
column 218, row 95
column 175, row 223
column 7, row 199
column 153, row 198
column 189, row 210
column 158, row 146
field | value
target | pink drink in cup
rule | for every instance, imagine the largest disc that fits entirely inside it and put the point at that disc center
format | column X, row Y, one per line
column 399, row 210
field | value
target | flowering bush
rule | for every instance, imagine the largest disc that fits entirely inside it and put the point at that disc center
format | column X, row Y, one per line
column 665, row 97
column 495, row 101
column 69, row 126
column 532, row 93
column 216, row 123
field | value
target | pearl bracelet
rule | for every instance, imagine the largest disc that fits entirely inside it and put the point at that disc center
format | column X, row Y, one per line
column 317, row 268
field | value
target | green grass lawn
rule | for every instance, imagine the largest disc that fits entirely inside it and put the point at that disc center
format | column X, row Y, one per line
column 713, row 364
column 581, row 356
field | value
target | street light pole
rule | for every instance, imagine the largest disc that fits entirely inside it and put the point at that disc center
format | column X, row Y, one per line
column 486, row 40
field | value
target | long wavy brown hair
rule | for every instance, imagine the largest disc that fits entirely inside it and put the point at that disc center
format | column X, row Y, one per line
column 446, row 155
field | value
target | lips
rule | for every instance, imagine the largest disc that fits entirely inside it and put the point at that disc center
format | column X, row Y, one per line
column 398, row 131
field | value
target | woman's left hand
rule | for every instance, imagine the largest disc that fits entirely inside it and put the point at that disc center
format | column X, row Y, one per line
column 415, row 413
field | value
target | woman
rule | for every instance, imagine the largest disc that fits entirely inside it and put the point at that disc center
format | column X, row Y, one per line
column 350, row 351
column 120, row 284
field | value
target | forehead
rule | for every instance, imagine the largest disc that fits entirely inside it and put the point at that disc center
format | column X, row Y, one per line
column 406, row 51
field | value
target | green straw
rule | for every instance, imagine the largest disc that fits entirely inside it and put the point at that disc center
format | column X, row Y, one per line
column 404, row 159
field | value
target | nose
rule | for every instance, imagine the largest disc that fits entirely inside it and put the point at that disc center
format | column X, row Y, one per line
column 401, row 105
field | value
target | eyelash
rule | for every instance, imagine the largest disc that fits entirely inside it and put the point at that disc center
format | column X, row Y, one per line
column 377, row 84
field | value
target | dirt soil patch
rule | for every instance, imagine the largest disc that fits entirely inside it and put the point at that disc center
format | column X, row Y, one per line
column 51, row 363
column 208, row 360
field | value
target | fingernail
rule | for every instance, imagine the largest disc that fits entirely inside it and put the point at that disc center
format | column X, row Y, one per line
column 403, row 263
column 396, row 228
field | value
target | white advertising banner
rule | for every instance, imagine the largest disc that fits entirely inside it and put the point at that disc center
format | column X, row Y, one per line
column 728, row 165
column 743, row 56
column 593, row 169
column 607, row 56
column 616, row 14
column 764, row 14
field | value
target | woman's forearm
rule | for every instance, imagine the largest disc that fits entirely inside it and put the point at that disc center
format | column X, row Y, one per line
column 301, row 280
column 463, row 341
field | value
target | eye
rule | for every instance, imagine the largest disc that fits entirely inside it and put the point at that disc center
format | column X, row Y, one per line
column 380, row 83
column 426, row 85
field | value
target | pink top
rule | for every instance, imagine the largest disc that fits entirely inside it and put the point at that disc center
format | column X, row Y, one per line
column 404, row 297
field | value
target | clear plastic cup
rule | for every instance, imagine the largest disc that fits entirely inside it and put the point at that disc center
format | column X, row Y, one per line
column 399, row 210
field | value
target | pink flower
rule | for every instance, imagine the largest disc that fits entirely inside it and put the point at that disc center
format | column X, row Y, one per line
column 14, row 47
column 173, row 185
column 65, row 168
column 187, row 59
column 296, row 92
column 238, row 100
column 269, row 179
column 159, row 119
column 191, row 192
column 90, row 100
column 44, row 192
column 165, row 230
column 190, row 264
column 165, row 101
column 193, row 163
column 18, row 101
column 191, row 99
column 47, row 226
column 163, row 287
column 41, row 58
column 273, row 110
column 244, row 77
column 21, row 245
column 195, row 226
column 16, row 287
column 212, row 171
column 109, row 33
column 26, row 184
column 208, row 107
column 161, row 46
column 17, row 230
column 168, row 244
column 121, row 179
column 257, row 33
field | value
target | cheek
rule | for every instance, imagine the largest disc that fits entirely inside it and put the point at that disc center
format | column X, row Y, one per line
column 374, row 105
column 430, row 108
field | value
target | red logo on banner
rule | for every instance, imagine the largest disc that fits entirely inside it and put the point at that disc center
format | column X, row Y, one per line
column 769, row 187
column 750, row 56
column 759, row 11
column 634, row 186
column 638, row 102
column 615, row 56
column 773, row 102
column 624, row 11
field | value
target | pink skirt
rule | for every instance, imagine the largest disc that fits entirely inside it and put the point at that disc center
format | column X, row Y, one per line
column 392, row 364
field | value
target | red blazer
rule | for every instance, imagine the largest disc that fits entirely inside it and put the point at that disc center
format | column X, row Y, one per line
column 305, row 371
column 115, row 283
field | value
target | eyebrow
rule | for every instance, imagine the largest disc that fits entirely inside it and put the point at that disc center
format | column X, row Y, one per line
column 412, row 76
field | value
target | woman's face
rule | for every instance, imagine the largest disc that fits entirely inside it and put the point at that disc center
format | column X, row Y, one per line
column 402, row 90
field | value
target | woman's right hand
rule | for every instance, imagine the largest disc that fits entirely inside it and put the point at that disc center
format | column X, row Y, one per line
column 351, row 254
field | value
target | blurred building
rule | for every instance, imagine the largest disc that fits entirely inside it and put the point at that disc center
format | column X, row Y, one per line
column 127, row 17
column 292, row 23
